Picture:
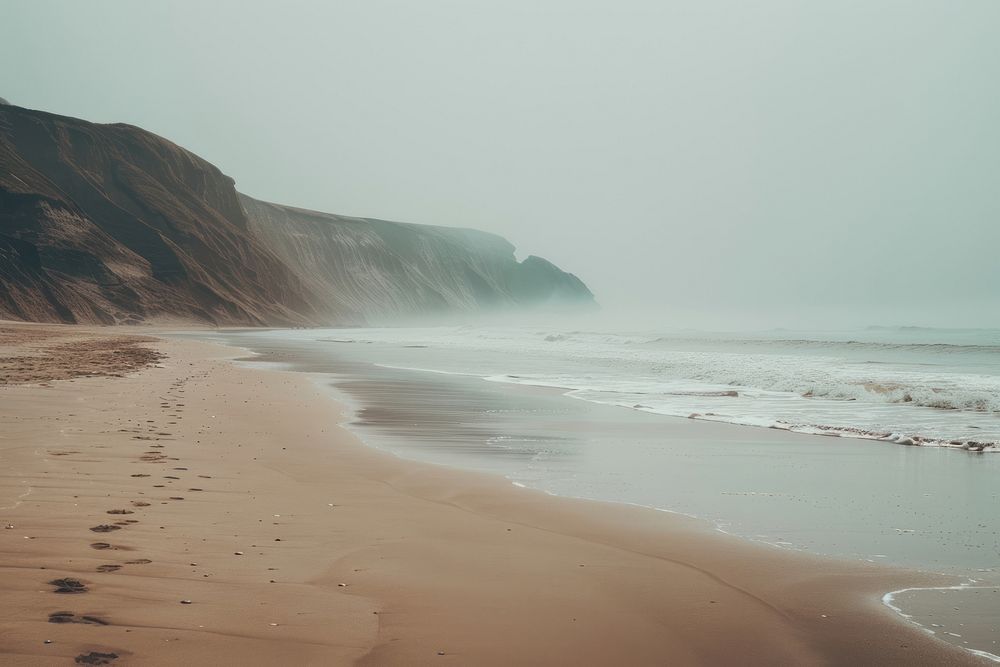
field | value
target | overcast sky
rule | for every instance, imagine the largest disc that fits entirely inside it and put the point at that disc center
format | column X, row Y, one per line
column 711, row 163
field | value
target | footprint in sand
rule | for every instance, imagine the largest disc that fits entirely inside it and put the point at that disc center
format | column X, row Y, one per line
column 120, row 512
column 96, row 658
column 105, row 528
column 109, row 568
column 70, row 617
column 140, row 503
column 69, row 586
column 138, row 561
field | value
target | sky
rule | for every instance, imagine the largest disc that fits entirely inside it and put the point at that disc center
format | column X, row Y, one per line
column 704, row 163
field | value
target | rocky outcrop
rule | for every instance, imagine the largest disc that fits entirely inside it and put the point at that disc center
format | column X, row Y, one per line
column 110, row 224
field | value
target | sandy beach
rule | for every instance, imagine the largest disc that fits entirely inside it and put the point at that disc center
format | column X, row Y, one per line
column 163, row 505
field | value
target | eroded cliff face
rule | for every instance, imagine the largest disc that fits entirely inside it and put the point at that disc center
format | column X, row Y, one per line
column 377, row 271
column 110, row 224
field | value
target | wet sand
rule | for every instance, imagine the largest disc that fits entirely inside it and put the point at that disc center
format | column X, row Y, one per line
column 195, row 511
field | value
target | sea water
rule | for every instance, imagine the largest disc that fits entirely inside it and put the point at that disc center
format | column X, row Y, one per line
column 615, row 416
column 942, row 387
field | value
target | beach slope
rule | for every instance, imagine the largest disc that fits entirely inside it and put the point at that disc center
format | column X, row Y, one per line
column 169, row 506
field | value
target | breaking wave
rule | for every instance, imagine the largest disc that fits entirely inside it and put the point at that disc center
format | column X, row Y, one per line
column 943, row 388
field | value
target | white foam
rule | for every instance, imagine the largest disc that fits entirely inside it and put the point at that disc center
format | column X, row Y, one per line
column 805, row 387
column 889, row 600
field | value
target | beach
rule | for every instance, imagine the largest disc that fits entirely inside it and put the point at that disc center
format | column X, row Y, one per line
column 200, row 511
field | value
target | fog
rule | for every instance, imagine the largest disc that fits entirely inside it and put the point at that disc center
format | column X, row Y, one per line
column 704, row 163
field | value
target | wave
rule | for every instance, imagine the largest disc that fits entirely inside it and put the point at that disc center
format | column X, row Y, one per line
column 985, row 348
column 910, row 437
column 939, row 398
column 927, row 394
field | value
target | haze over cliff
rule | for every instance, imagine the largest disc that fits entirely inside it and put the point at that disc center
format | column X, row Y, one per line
column 111, row 223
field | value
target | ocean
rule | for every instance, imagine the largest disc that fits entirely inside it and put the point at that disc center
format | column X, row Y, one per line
column 931, row 386
column 905, row 473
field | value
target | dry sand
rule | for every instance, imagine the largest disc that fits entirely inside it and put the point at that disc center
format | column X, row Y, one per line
column 216, row 514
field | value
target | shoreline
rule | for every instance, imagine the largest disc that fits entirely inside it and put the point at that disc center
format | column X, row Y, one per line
column 793, row 391
column 901, row 439
column 890, row 601
column 436, row 565
column 263, row 361
column 720, row 526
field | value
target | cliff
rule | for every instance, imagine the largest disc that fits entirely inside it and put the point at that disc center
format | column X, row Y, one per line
column 377, row 271
column 110, row 223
